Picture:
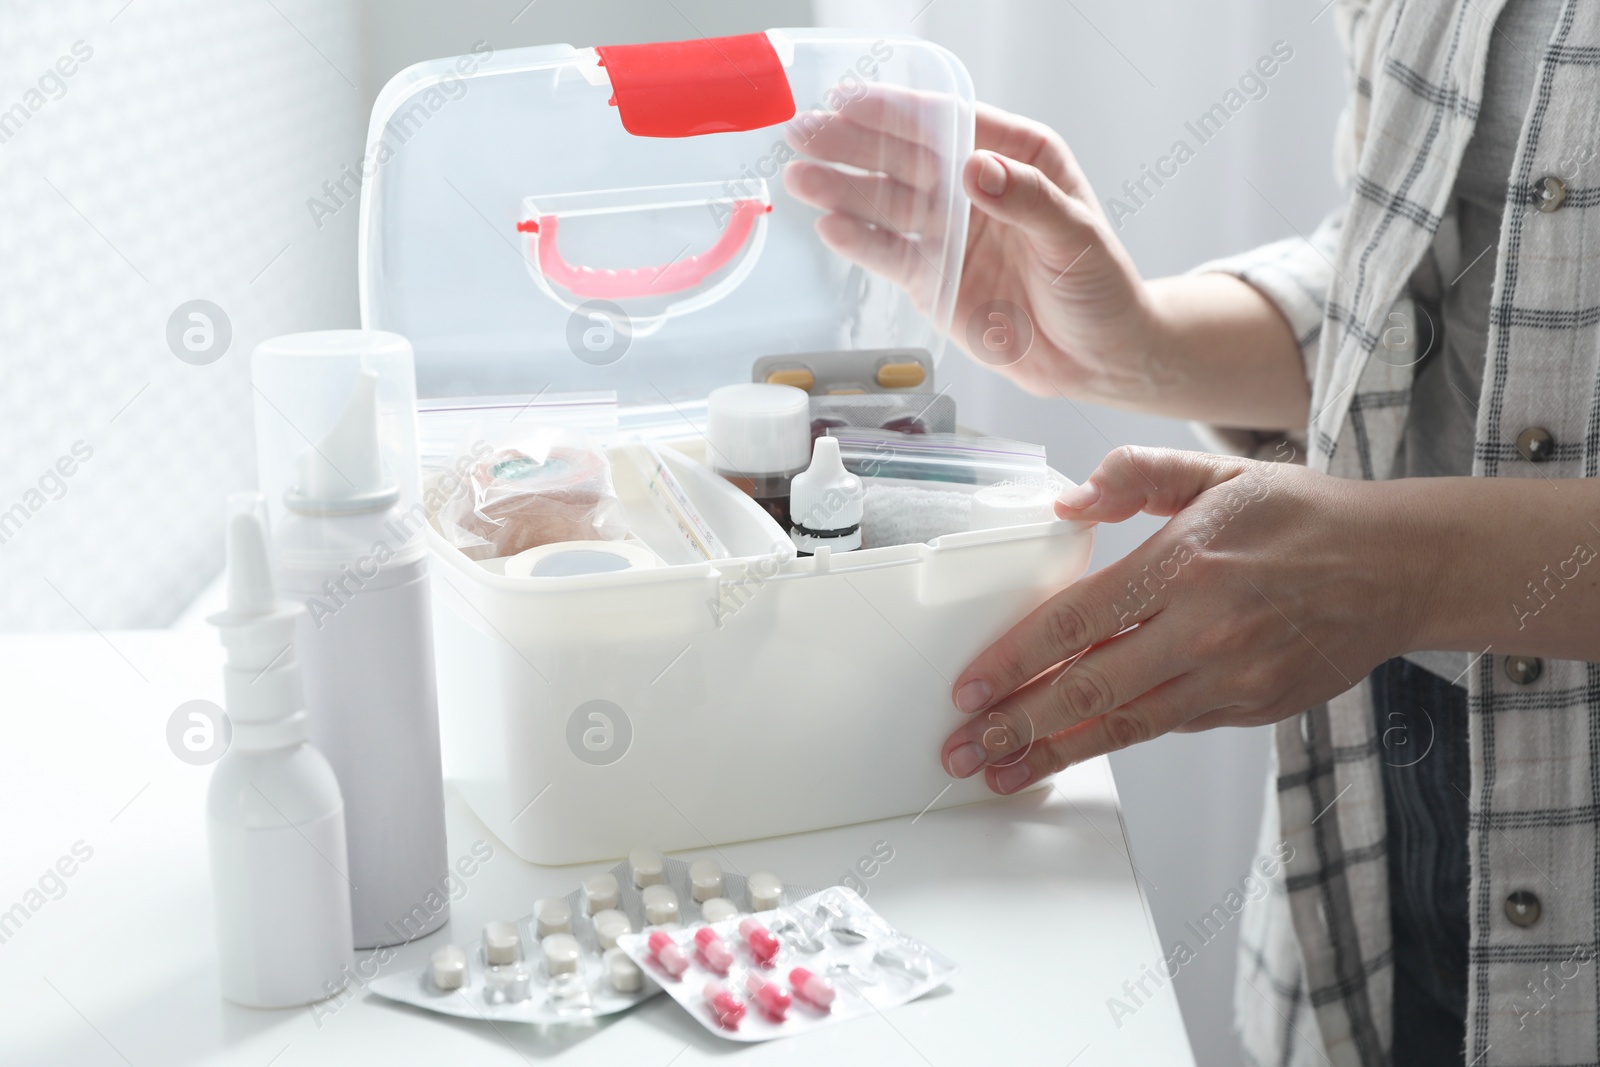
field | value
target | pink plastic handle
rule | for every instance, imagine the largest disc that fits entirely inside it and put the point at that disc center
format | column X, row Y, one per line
column 674, row 277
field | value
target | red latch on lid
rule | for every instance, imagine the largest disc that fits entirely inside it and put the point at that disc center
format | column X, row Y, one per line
column 687, row 88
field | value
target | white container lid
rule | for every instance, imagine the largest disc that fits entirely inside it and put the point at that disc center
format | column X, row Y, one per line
column 676, row 257
column 754, row 428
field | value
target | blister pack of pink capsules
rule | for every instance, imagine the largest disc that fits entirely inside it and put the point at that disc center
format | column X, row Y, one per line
column 562, row 963
column 821, row 960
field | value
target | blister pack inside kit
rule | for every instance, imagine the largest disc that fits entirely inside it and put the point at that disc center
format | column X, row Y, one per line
column 825, row 959
column 523, row 987
column 571, row 221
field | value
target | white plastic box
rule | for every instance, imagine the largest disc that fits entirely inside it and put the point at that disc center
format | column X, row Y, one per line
column 705, row 702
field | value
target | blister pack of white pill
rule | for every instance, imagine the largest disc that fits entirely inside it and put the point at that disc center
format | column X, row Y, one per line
column 817, row 961
column 562, row 963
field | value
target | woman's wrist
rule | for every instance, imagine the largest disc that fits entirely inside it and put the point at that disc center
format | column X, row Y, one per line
column 1220, row 352
column 1410, row 537
column 1509, row 564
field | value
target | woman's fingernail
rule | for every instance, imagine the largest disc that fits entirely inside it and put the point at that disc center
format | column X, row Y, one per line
column 1012, row 778
column 991, row 176
column 1080, row 496
column 974, row 696
column 966, row 759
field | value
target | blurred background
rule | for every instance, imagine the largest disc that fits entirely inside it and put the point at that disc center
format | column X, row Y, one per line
column 179, row 161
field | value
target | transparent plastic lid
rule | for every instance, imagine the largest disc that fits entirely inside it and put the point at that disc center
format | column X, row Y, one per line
column 567, row 220
column 336, row 423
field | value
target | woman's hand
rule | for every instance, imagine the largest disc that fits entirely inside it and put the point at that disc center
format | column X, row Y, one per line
column 1041, row 260
column 1036, row 237
column 1271, row 589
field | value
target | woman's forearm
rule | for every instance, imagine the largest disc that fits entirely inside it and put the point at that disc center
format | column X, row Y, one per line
column 1223, row 354
column 1511, row 564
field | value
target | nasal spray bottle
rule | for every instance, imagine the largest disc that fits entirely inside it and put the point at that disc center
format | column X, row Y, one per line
column 337, row 439
column 275, row 819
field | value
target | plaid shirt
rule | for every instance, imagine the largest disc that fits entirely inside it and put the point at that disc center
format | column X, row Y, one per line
column 1316, row 967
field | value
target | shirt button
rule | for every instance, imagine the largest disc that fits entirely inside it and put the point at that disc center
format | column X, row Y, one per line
column 1549, row 193
column 1524, row 670
column 1536, row 444
column 1523, row 908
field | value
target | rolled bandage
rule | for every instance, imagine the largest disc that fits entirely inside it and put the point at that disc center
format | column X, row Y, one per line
column 660, row 904
column 449, row 965
column 705, row 879
column 647, row 865
column 1011, row 504
column 580, row 557
column 766, row 891
column 551, row 915
column 560, row 954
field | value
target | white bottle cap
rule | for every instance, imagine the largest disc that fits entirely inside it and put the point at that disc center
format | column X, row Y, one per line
column 1011, row 504
column 335, row 415
column 826, row 497
column 344, row 471
column 262, row 676
column 758, row 428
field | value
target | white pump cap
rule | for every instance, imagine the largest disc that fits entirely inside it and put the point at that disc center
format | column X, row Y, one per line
column 825, row 497
column 331, row 440
column 758, row 428
column 262, row 677
column 344, row 471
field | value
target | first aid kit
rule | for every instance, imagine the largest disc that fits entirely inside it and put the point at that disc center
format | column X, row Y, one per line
column 556, row 220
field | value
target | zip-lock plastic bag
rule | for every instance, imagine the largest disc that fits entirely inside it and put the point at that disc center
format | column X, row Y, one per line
column 539, row 487
column 524, row 989
column 910, row 413
column 923, row 486
column 961, row 459
column 444, row 424
column 818, row 961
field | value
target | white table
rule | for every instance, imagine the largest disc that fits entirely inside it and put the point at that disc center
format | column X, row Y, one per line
column 1034, row 897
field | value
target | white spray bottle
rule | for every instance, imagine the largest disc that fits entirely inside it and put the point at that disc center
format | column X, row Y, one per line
column 349, row 549
column 275, row 820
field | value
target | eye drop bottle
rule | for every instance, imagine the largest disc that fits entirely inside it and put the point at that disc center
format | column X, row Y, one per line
column 338, row 408
column 825, row 503
column 274, row 816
